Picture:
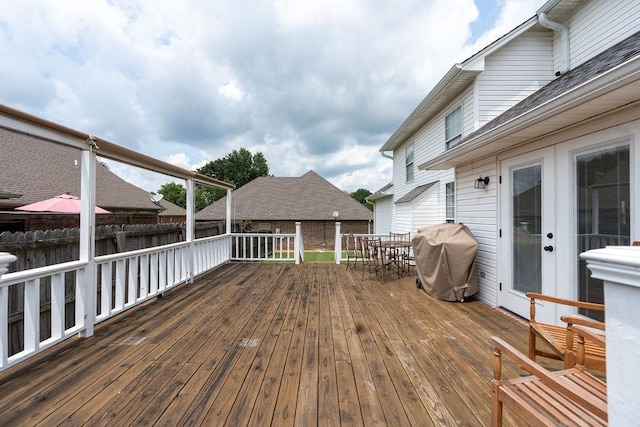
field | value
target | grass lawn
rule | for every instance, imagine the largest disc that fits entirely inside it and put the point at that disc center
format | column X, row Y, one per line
column 315, row 256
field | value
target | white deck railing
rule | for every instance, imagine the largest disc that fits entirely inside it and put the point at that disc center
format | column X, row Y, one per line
column 121, row 281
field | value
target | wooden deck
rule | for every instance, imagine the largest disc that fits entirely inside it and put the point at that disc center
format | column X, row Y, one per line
column 280, row 344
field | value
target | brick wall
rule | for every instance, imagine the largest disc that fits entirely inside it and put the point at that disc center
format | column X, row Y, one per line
column 314, row 232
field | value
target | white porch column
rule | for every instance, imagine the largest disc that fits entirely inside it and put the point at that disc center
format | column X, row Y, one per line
column 87, row 282
column 297, row 244
column 619, row 267
column 338, row 244
column 191, row 197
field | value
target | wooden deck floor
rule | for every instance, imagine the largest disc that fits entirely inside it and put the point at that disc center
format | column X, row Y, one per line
column 261, row 344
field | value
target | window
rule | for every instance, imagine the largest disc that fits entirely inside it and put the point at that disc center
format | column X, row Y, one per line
column 453, row 128
column 450, row 194
column 409, row 162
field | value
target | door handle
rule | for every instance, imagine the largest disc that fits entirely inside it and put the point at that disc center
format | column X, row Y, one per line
column 548, row 248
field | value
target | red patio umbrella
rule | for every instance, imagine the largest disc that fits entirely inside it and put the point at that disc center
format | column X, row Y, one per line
column 64, row 203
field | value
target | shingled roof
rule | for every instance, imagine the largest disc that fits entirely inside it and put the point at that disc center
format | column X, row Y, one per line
column 309, row 197
column 39, row 170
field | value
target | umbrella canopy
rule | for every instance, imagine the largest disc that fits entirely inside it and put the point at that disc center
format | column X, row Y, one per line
column 64, row 203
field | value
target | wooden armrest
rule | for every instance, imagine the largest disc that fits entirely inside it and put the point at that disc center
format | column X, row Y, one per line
column 580, row 396
column 598, row 339
column 542, row 333
column 563, row 301
column 572, row 319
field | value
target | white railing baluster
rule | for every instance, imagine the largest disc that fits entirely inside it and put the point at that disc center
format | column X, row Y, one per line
column 57, row 306
column 4, row 326
column 121, row 283
column 31, row 315
column 153, row 290
column 133, row 282
column 106, row 286
column 144, row 276
column 162, row 267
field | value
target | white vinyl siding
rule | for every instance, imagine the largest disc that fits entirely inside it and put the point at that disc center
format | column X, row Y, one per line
column 514, row 72
column 477, row 209
column 422, row 211
column 382, row 215
column 597, row 26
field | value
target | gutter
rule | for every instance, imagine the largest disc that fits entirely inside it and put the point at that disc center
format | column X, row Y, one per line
column 564, row 41
column 601, row 85
column 383, row 154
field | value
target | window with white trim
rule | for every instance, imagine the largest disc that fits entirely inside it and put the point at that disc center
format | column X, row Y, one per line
column 453, row 128
column 450, row 197
column 408, row 159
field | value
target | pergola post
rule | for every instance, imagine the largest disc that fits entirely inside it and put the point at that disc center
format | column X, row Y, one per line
column 87, row 282
column 190, row 230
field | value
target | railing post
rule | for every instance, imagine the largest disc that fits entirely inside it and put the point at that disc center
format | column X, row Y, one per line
column 228, row 211
column 619, row 268
column 190, row 231
column 5, row 259
column 87, row 283
column 338, row 244
column 297, row 242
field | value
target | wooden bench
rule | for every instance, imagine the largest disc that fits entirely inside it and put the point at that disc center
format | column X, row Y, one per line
column 560, row 342
column 567, row 397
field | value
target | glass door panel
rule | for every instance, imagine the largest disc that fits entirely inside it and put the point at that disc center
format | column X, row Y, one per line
column 602, row 211
column 526, row 192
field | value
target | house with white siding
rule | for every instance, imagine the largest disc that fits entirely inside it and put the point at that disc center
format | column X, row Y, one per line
column 533, row 140
column 382, row 201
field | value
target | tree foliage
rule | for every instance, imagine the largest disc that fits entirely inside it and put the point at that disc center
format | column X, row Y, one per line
column 177, row 194
column 238, row 167
column 360, row 195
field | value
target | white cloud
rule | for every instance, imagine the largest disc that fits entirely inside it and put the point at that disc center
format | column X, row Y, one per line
column 319, row 84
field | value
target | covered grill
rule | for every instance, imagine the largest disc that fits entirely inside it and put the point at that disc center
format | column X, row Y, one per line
column 445, row 257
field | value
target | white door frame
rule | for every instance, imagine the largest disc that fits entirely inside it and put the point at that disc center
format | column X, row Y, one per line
column 508, row 297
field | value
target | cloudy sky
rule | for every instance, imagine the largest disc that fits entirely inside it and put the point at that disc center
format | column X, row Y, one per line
column 312, row 84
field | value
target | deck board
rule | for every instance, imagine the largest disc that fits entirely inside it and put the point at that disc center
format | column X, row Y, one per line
column 272, row 344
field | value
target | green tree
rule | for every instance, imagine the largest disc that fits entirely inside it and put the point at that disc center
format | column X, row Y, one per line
column 238, row 167
column 177, row 194
column 360, row 195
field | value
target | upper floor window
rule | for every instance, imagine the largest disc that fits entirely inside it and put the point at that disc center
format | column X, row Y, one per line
column 453, row 127
column 409, row 162
column 450, row 196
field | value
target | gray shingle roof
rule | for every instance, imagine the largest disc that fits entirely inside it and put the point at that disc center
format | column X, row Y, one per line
column 171, row 209
column 386, row 191
column 39, row 170
column 416, row 192
column 607, row 60
column 309, row 197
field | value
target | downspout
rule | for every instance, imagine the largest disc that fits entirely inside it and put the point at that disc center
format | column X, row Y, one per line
column 564, row 40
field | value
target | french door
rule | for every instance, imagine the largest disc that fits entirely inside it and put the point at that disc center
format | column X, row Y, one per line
column 528, row 261
column 556, row 203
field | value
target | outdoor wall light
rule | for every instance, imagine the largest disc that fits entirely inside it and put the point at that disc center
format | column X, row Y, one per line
column 481, row 183
column 335, row 214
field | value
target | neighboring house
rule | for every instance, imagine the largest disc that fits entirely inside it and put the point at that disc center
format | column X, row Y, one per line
column 172, row 213
column 551, row 118
column 382, row 201
column 275, row 204
column 33, row 170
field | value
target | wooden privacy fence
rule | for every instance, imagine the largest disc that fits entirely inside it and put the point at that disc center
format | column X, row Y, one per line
column 35, row 249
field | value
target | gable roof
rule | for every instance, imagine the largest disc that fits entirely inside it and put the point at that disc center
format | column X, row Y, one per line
column 604, row 83
column 455, row 81
column 309, row 197
column 386, row 191
column 171, row 209
column 37, row 170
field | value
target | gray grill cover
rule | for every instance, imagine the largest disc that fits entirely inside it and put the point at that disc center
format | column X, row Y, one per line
column 445, row 257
